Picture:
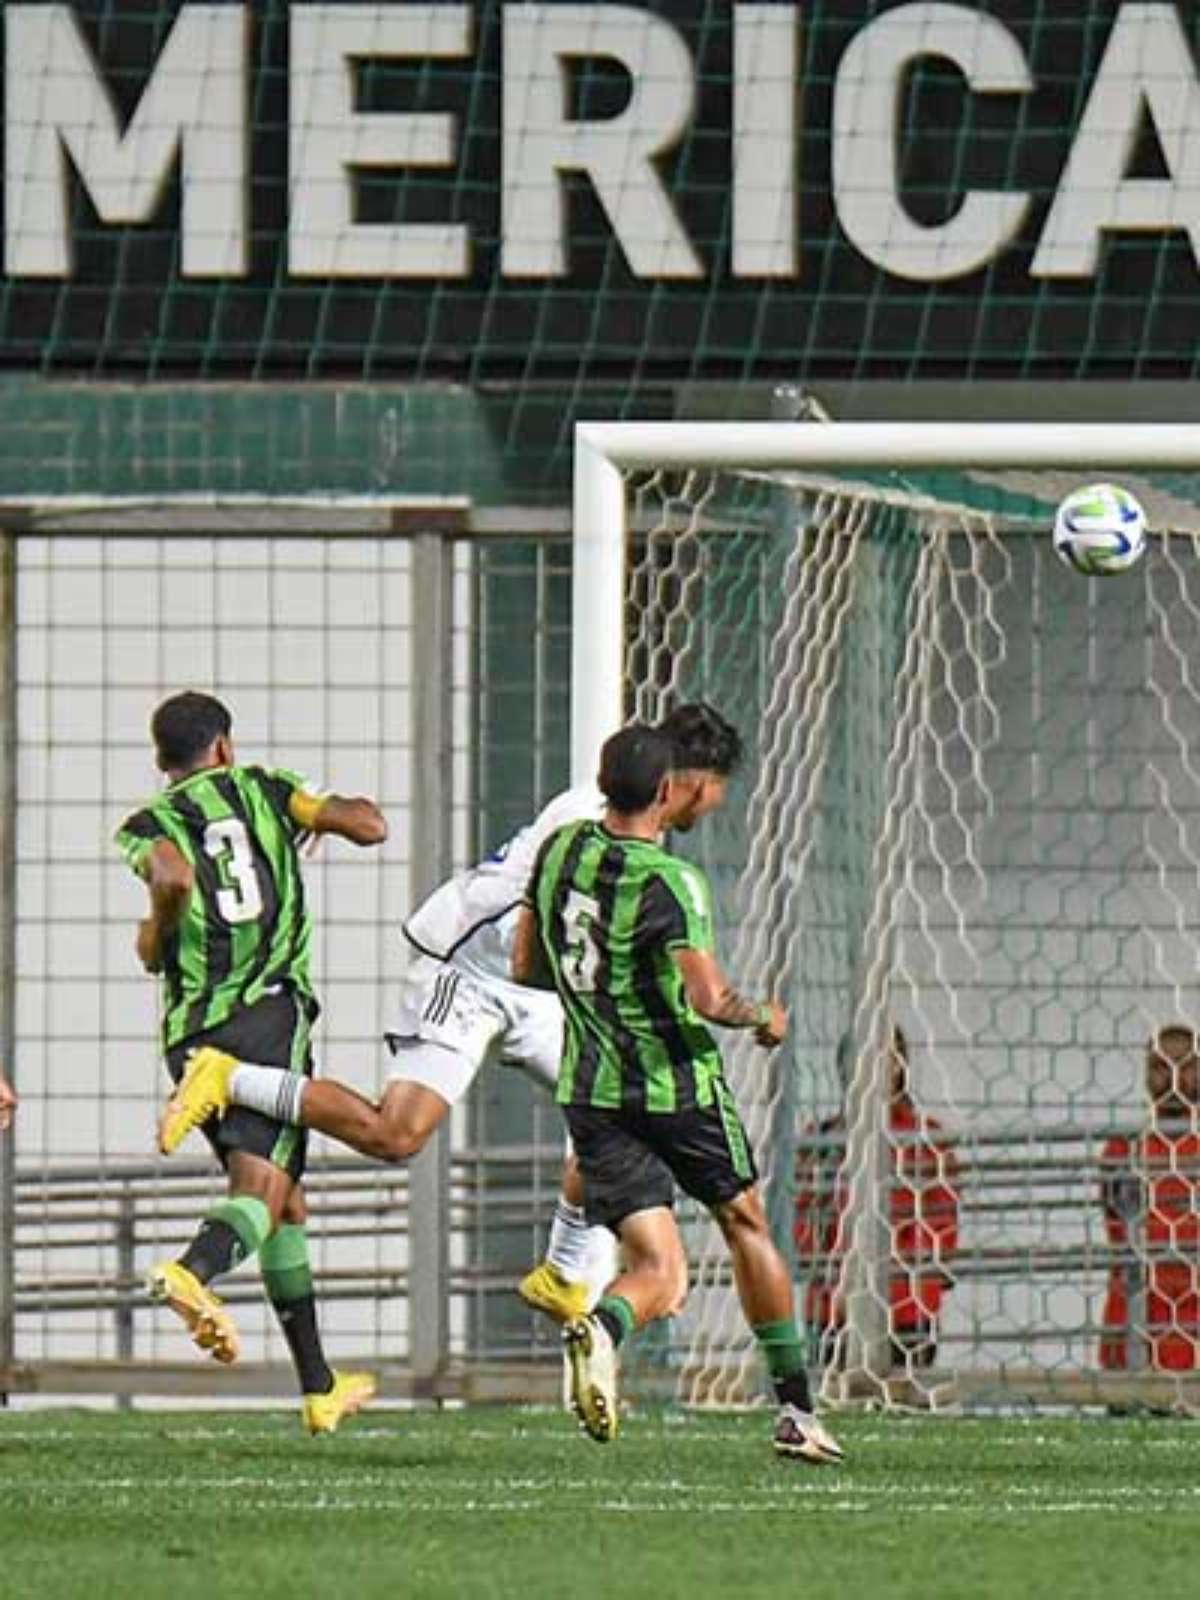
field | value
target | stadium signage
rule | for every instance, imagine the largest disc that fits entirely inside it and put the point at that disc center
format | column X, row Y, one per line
column 195, row 111
column 425, row 187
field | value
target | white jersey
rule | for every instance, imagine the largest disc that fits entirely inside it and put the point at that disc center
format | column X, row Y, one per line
column 470, row 919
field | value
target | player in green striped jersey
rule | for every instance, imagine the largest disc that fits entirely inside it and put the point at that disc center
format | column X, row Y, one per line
column 229, row 933
column 623, row 931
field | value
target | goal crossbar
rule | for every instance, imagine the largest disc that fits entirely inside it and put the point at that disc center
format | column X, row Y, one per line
column 605, row 450
column 942, row 725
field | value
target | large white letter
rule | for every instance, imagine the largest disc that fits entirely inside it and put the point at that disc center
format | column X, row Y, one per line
column 866, row 109
column 618, row 154
column 1148, row 60
column 765, row 51
column 193, row 110
column 328, row 139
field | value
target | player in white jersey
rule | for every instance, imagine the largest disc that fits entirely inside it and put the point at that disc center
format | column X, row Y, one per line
column 460, row 1008
column 457, row 994
column 459, row 1005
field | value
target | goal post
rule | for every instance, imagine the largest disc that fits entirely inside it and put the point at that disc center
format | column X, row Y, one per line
column 605, row 451
column 971, row 812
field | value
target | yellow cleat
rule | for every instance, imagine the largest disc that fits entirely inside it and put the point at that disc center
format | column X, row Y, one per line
column 202, row 1092
column 545, row 1289
column 350, row 1392
column 208, row 1322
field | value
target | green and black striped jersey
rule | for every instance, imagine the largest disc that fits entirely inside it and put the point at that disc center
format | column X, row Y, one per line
column 246, row 927
column 610, row 911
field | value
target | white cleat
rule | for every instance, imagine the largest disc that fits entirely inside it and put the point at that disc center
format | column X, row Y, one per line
column 591, row 1359
column 802, row 1437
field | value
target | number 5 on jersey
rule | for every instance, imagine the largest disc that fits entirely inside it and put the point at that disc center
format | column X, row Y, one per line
column 581, row 953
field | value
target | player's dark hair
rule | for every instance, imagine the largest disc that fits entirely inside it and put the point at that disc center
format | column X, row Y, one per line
column 633, row 764
column 702, row 740
column 1174, row 1030
column 184, row 726
column 845, row 1050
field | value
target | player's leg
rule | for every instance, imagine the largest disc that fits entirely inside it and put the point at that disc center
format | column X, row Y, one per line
column 456, row 1025
column 580, row 1261
column 452, row 1028
column 262, row 1158
column 231, row 1232
column 426, row 1081
column 328, row 1396
column 281, row 1032
column 708, row 1151
column 764, row 1286
column 652, row 1284
column 653, row 1281
column 393, row 1130
column 628, row 1190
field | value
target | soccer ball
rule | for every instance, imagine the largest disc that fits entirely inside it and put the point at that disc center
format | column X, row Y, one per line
column 1100, row 530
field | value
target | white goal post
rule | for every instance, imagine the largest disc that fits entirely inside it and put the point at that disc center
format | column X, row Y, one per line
column 605, row 450
column 972, row 811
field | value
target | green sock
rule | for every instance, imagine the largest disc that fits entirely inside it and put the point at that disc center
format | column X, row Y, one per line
column 287, row 1277
column 617, row 1315
column 783, row 1350
column 232, row 1231
column 249, row 1219
column 286, row 1272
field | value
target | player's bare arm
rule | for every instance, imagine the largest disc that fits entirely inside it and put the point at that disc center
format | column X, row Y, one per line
column 8, row 1103
column 356, row 818
column 529, row 964
column 169, row 883
column 715, row 998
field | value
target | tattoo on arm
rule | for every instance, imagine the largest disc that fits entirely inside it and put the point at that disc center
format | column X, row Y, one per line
column 733, row 1010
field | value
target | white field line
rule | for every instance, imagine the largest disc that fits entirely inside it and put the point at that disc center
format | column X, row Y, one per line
column 855, row 1502
column 649, row 1496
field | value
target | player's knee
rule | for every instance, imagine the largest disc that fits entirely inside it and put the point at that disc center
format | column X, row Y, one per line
column 679, row 1292
column 743, row 1217
column 674, row 1296
column 401, row 1142
column 671, row 1285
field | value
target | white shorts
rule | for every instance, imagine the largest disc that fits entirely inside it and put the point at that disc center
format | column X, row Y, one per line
column 451, row 1021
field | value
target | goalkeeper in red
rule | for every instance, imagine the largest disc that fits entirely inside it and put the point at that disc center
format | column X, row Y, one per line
column 623, row 931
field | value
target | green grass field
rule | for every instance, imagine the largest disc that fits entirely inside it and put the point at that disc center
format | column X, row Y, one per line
column 515, row 1503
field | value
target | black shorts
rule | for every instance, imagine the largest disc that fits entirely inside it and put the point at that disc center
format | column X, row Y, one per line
column 632, row 1160
column 274, row 1032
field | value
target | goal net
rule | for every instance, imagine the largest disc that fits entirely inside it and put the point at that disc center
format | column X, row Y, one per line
column 965, row 851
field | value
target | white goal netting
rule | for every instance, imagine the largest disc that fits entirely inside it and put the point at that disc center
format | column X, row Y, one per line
column 970, row 813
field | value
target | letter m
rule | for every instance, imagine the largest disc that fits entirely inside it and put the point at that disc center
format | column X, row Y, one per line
column 60, row 114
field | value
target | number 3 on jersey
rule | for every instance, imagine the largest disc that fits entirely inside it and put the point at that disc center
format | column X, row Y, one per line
column 581, row 953
column 226, row 841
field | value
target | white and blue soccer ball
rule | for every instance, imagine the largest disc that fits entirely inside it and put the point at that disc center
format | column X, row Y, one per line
column 1100, row 530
